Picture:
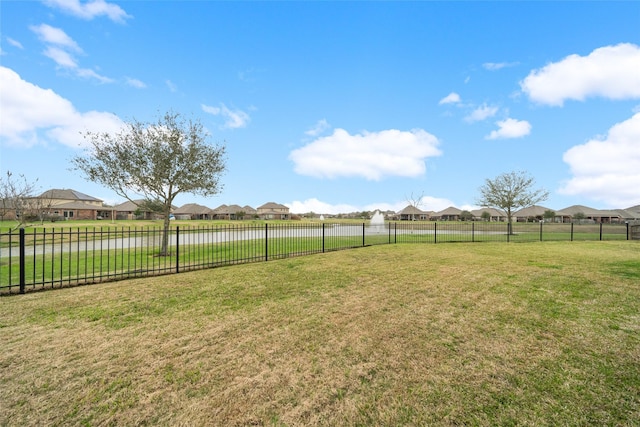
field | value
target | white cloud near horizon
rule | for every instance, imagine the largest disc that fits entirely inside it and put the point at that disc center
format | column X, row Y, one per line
column 316, row 206
column 510, row 128
column 90, row 9
column 33, row 115
column 452, row 98
column 233, row 119
column 607, row 168
column 369, row 155
column 481, row 113
column 609, row 72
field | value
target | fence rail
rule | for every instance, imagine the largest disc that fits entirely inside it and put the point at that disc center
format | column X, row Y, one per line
column 46, row 259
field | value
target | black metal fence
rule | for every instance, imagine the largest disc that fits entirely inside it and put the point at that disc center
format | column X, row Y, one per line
column 46, row 259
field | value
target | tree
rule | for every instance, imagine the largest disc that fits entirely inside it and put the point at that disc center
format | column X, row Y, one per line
column 509, row 192
column 415, row 202
column 157, row 160
column 549, row 215
column 486, row 216
column 466, row 216
column 17, row 195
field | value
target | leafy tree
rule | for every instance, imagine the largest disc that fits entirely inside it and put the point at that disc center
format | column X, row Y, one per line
column 486, row 216
column 509, row 192
column 157, row 160
column 466, row 216
column 579, row 216
column 549, row 215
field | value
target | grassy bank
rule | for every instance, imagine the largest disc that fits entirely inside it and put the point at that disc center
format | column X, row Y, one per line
column 488, row 334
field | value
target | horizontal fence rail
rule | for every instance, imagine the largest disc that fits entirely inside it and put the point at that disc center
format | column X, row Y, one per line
column 47, row 259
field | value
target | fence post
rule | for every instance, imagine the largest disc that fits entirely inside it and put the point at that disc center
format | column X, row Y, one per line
column 323, row 237
column 21, row 261
column 266, row 242
column 435, row 232
column 178, row 249
column 627, row 224
column 473, row 232
column 541, row 231
column 363, row 234
column 508, row 232
column 600, row 231
column 572, row 232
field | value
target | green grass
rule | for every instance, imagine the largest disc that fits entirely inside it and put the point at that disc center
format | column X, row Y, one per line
column 489, row 334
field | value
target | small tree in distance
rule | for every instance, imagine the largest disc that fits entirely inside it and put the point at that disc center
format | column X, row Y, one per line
column 510, row 192
column 157, row 160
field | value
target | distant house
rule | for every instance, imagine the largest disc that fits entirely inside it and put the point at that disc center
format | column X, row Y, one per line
column 136, row 210
column 233, row 212
column 412, row 213
column 193, row 211
column 531, row 213
column 448, row 214
column 592, row 215
column 273, row 210
column 492, row 214
column 72, row 204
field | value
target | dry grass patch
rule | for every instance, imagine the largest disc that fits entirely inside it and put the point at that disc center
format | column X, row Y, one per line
column 485, row 334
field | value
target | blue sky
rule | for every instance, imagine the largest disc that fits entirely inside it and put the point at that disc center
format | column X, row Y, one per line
column 337, row 106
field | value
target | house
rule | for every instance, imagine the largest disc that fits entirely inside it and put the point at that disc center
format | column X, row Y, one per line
column 589, row 214
column 273, row 210
column 136, row 210
column 492, row 215
column 531, row 213
column 193, row 211
column 72, row 204
column 412, row 213
column 233, row 212
column 448, row 214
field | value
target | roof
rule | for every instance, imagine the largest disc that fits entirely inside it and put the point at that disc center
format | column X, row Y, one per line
column 534, row 211
column 572, row 210
column 411, row 210
column 67, row 194
column 492, row 212
column 77, row 205
column 449, row 211
column 192, row 208
column 272, row 205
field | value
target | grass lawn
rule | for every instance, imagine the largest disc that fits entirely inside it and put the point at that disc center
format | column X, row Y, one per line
column 408, row 334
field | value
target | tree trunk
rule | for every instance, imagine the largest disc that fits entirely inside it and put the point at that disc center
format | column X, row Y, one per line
column 164, row 250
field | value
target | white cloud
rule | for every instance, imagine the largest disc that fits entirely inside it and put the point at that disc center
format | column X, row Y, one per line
column 14, row 43
column 90, row 9
column 55, row 36
column 233, row 119
column 452, row 98
column 138, row 84
column 319, row 207
column 61, row 57
column 608, row 168
column 610, row 72
column 494, row 66
column 510, row 128
column 172, row 86
column 60, row 47
column 481, row 113
column 318, row 128
column 371, row 155
column 30, row 111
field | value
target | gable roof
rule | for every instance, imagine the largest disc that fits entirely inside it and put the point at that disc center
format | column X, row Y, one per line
column 449, row 211
column 192, row 208
column 67, row 194
column 412, row 210
column 534, row 210
column 272, row 205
